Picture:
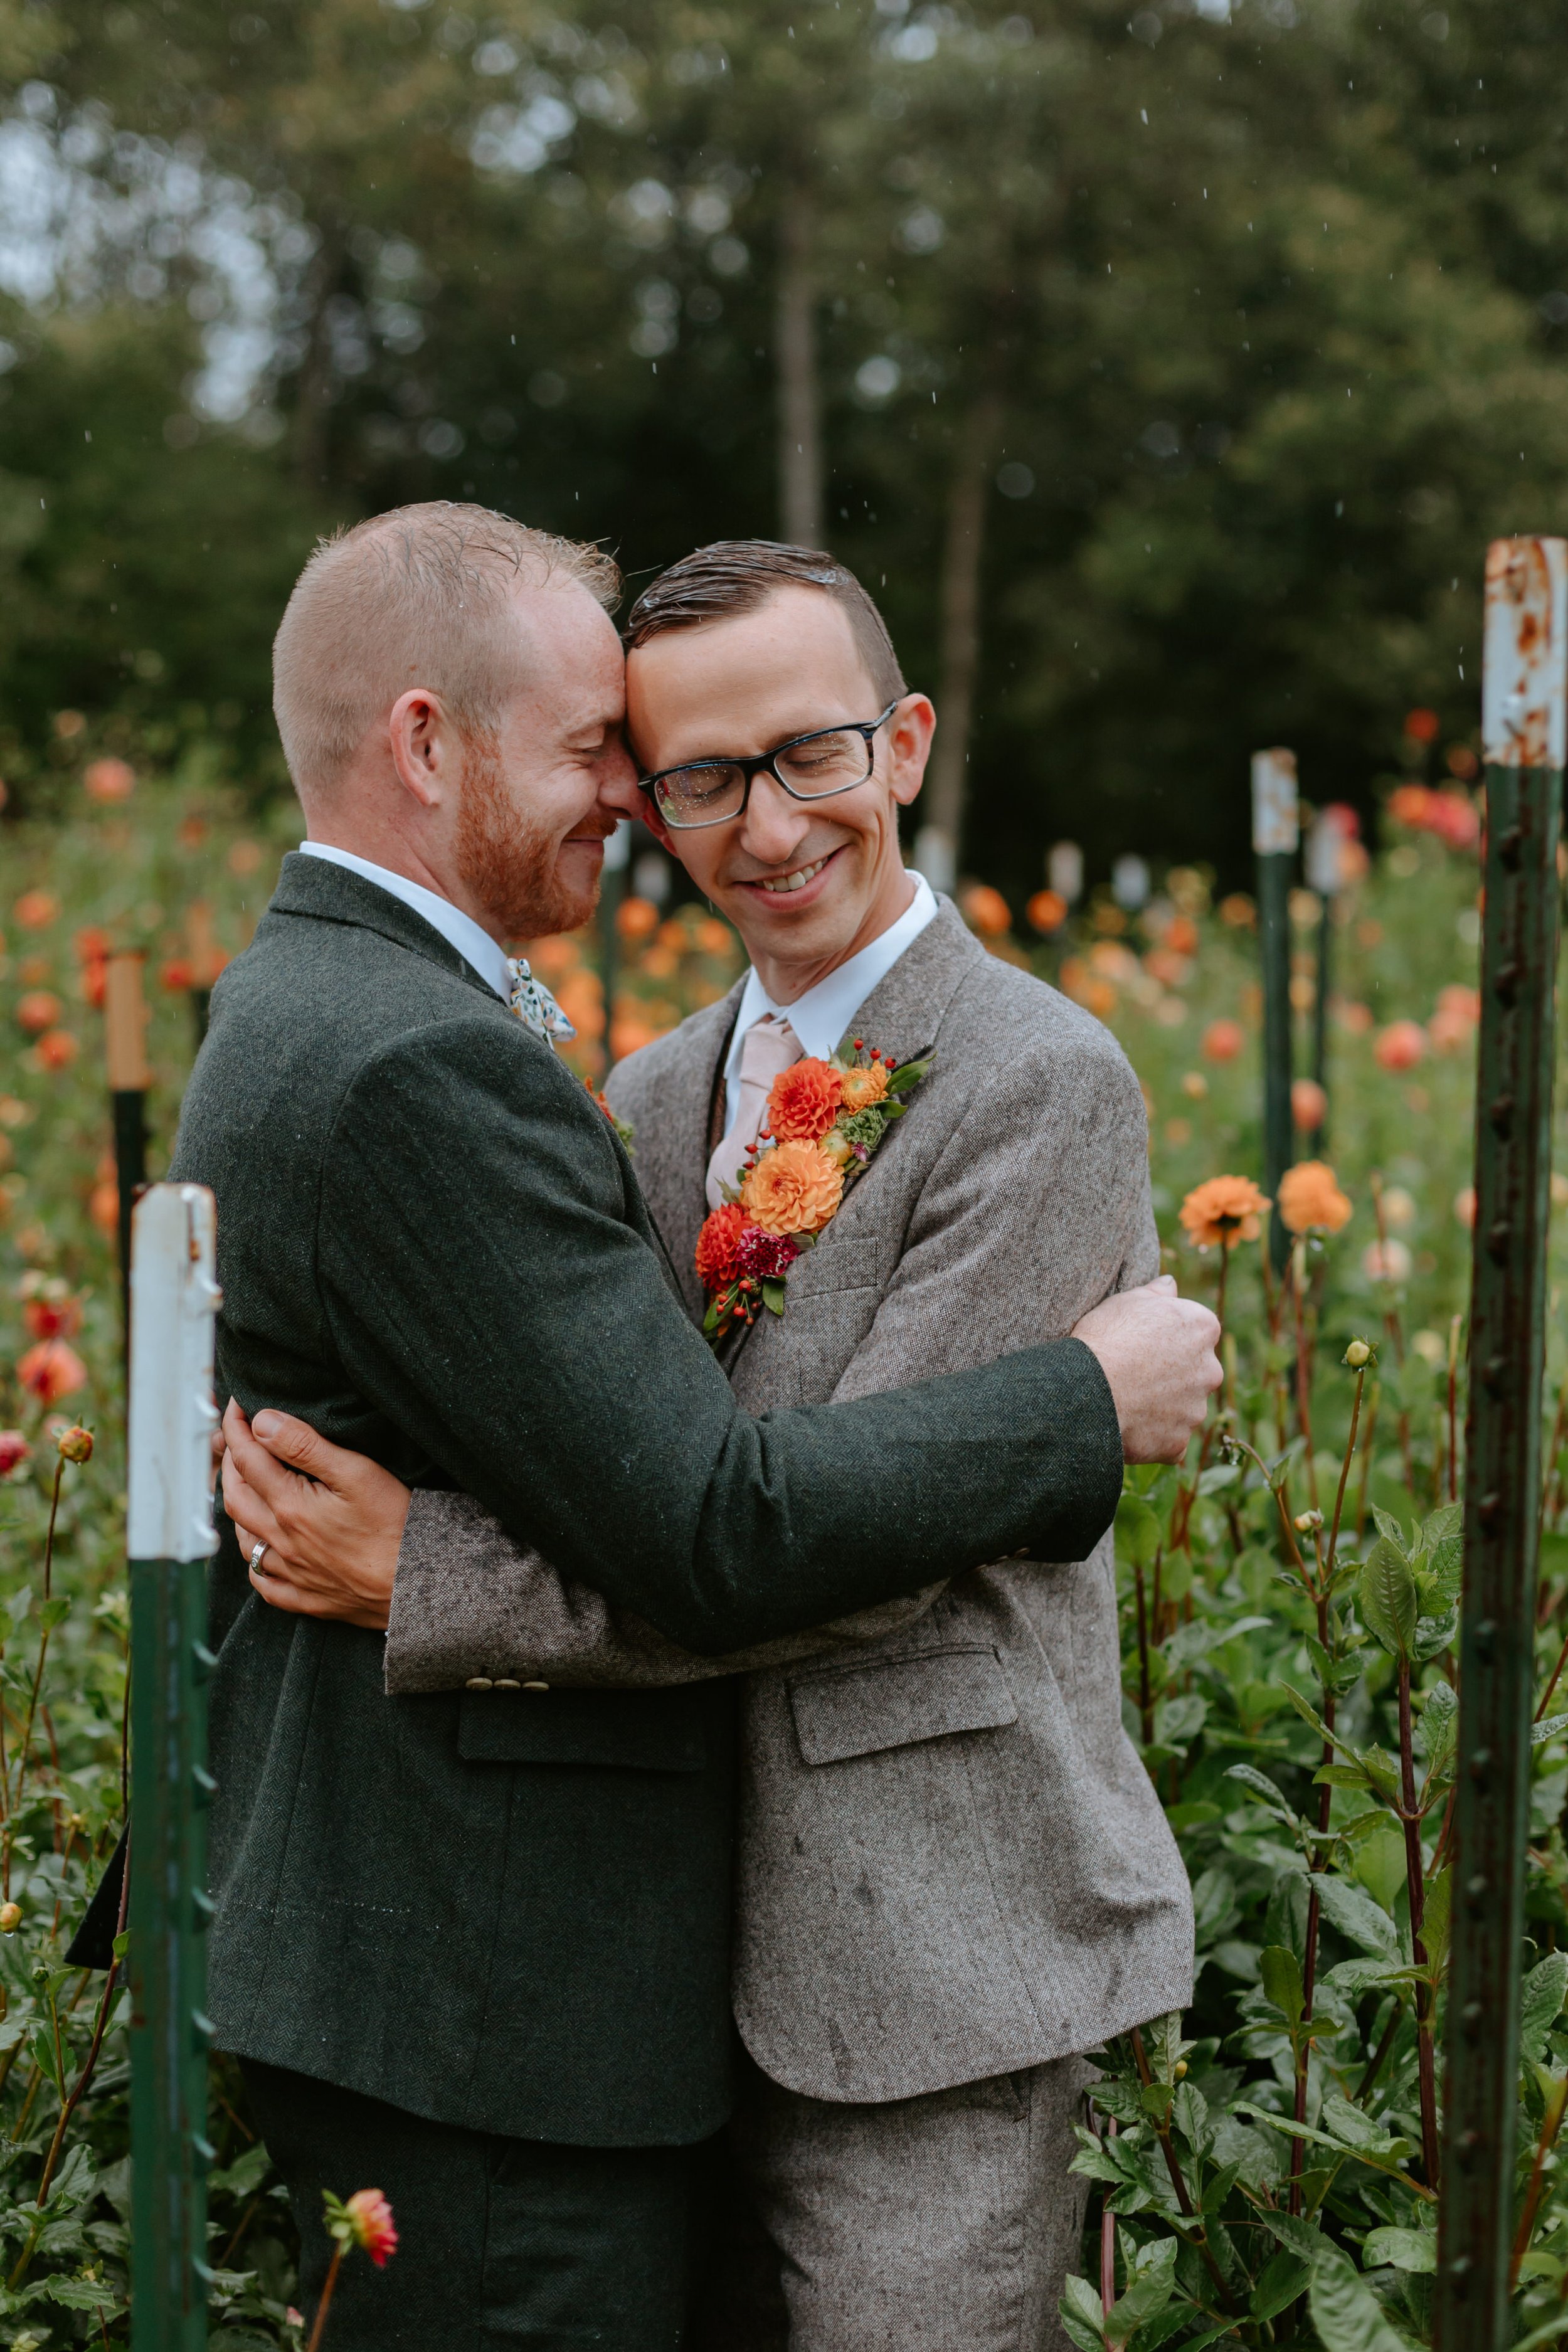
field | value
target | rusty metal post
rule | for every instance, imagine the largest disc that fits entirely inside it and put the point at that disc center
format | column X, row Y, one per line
column 1522, row 727
column 1276, row 830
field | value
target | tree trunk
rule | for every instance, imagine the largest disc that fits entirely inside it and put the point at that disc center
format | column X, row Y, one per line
column 947, row 778
column 313, row 402
column 801, row 522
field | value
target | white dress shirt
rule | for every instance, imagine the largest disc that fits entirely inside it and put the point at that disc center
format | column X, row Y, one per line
column 459, row 930
column 822, row 1016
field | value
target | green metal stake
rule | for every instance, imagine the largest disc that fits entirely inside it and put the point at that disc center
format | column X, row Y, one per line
column 174, row 1298
column 1522, row 727
column 1275, row 835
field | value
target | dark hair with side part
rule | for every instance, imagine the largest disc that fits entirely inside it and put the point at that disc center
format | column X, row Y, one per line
column 739, row 575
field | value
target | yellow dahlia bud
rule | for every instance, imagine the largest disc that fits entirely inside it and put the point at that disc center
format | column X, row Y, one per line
column 1308, row 1522
column 10, row 1918
column 1357, row 1354
column 76, row 1444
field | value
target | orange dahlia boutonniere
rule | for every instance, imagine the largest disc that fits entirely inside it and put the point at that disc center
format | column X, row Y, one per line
column 804, row 1100
column 825, row 1120
column 1224, row 1210
column 1311, row 1200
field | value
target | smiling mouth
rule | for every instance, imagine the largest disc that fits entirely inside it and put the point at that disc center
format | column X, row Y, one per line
column 779, row 886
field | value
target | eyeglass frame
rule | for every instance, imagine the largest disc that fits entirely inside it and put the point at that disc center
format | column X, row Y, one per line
column 761, row 763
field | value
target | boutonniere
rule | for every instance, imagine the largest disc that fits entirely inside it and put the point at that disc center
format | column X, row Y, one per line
column 623, row 1126
column 824, row 1123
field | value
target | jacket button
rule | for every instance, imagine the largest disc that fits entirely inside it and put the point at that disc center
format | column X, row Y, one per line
column 478, row 1682
column 536, row 1687
column 503, row 1684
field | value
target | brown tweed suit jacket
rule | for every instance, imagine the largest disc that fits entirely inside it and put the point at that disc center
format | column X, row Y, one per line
column 953, row 1863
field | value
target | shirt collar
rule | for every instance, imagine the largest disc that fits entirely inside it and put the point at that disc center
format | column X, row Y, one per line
column 459, row 930
column 821, row 1017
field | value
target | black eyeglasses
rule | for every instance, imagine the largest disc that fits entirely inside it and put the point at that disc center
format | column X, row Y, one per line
column 808, row 767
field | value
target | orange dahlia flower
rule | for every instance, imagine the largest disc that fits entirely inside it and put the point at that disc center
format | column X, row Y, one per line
column 51, row 1370
column 794, row 1189
column 717, row 1243
column 1401, row 1046
column 1225, row 1210
column 1310, row 1201
column 1223, row 1041
column 860, row 1088
column 803, row 1101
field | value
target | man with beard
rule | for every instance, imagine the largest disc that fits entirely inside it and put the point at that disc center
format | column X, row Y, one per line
column 472, row 1946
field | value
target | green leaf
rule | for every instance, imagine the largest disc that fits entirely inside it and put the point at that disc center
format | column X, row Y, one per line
column 1435, row 1919
column 1261, row 1786
column 1401, row 2250
column 1137, row 1531
column 1388, row 1598
column 1346, row 2314
column 1357, row 1916
column 1303, row 2239
column 1282, row 2278
column 909, row 1073
column 1342, row 1776
column 773, row 1296
column 1350, row 2123
column 1539, row 1732
column 1440, row 1726
column 81, row 2293
column 1281, row 1972
column 1442, row 1526
column 1082, row 2315
column 1390, row 1529
column 1541, row 2004
column 54, row 1613
column 1434, row 1635
column 1149, row 2291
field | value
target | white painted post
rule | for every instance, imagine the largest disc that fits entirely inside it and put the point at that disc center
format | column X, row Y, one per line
column 174, row 1299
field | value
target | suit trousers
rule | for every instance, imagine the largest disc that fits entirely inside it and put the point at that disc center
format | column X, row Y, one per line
column 502, row 2243
column 938, row 2224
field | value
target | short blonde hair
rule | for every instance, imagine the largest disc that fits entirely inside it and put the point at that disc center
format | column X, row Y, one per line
column 416, row 596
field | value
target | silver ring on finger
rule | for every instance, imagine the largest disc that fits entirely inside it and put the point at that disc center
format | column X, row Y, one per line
column 257, row 1554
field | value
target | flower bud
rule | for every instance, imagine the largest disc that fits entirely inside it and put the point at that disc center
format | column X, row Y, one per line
column 76, row 1444
column 1306, row 1523
column 1179, row 2068
column 1358, row 1353
column 10, row 1918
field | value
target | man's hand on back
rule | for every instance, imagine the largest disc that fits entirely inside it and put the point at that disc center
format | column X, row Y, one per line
column 1157, row 1352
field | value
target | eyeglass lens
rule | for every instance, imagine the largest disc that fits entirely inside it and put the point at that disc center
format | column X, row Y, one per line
column 709, row 793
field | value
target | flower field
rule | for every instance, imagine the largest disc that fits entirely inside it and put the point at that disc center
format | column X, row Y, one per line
column 1288, row 1594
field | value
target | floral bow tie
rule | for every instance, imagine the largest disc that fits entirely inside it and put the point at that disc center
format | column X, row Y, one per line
column 535, row 1007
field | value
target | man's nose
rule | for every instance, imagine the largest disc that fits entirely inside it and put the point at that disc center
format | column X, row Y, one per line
column 773, row 826
column 618, row 788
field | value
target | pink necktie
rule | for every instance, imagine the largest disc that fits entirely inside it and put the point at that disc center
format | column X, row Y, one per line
column 768, row 1046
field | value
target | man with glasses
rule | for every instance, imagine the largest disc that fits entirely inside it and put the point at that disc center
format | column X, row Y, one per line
column 955, row 1875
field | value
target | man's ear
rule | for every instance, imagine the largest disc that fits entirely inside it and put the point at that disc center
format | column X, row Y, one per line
column 909, row 732
column 422, row 743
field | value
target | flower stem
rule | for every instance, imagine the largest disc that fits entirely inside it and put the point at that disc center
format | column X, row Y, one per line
column 1145, row 1701
column 325, row 2304
column 1416, row 1886
column 1551, row 2122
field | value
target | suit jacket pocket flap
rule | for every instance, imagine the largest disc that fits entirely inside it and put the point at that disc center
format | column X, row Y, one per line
column 856, row 1710
column 838, row 1262
column 638, row 1730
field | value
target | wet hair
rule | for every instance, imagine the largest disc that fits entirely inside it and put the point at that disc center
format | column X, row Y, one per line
column 739, row 575
column 416, row 596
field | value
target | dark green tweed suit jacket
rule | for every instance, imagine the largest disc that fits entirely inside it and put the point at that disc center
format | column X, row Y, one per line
column 509, row 1910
